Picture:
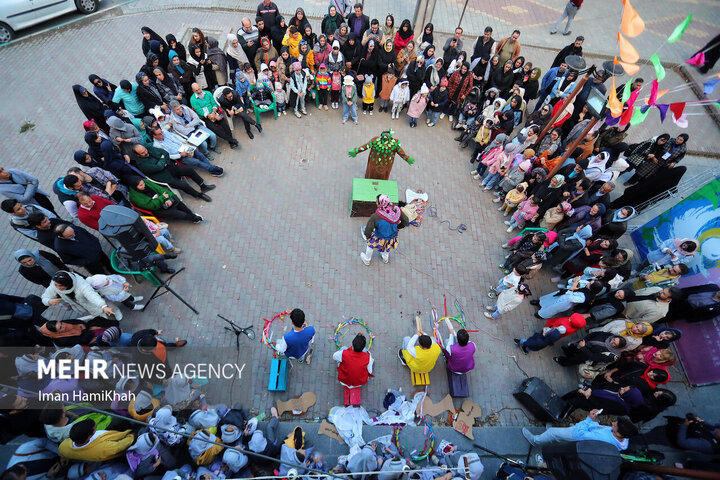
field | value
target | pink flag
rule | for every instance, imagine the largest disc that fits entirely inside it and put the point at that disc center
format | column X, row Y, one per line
column 653, row 92
column 697, row 60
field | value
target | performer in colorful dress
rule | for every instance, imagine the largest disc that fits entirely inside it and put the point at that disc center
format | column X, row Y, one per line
column 382, row 155
column 383, row 228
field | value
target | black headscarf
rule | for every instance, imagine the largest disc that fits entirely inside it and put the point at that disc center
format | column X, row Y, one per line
column 409, row 33
column 167, row 81
column 91, row 107
column 428, row 37
column 161, row 51
column 149, row 95
column 179, row 47
column 153, row 36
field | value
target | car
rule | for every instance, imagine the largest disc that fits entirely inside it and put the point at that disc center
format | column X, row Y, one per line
column 18, row 14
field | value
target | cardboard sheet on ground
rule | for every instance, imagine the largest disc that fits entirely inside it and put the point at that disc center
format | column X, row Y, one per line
column 466, row 418
column 329, row 430
column 428, row 407
column 297, row 405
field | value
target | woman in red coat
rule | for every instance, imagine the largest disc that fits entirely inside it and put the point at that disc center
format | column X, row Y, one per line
column 459, row 85
column 555, row 329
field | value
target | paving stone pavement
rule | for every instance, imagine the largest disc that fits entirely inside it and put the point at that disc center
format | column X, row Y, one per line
column 278, row 234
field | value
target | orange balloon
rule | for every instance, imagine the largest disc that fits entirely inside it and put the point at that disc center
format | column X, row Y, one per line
column 632, row 25
column 616, row 106
column 627, row 51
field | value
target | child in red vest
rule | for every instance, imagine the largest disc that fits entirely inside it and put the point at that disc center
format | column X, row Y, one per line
column 355, row 364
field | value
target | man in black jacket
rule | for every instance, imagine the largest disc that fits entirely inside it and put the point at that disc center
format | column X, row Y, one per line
column 358, row 22
column 44, row 228
column 698, row 303
column 77, row 247
column 574, row 48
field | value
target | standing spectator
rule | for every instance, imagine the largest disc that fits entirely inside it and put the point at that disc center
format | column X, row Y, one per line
column 509, row 47
column 403, row 36
column 358, row 23
column 20, row 213
column 268, row 11
column 460, row 84
column 417, row 105
column 38, row 267
column 297, row 343
column 570, row 11
column 483, row 46
column 349, row 98
column 332, row 21
column 77, row 247
column 387, row 81
column 298, row 89
column 399, row 96
column 574, row 48
column 248, row 36
column 455, row 41
column 343, row 7
column 44, row 228
column 373, row 33
column 389, row 29
column 23, row 187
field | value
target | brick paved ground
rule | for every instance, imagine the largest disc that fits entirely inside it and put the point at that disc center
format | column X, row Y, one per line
column 278, row 233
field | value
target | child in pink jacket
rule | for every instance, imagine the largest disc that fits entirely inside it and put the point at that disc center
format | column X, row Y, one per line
column 526, row 210
column 497, row 166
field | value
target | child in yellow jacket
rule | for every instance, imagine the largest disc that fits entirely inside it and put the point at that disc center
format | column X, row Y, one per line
column 292, row 41
column 368, row 94
column 513, row 198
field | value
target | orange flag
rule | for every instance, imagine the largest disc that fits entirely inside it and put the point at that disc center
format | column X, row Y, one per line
column 632, row 25
column 627, row 51
column 616, row 106
column 630, row 68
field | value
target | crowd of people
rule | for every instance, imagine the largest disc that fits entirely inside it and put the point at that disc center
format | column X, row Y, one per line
column 147, row 137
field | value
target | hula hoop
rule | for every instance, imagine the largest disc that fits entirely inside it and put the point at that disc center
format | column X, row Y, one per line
column 459, row 318
column 353, row 321
column 266, row 330
column 429, row 442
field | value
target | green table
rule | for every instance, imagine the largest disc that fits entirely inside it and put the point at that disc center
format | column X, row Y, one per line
column 365, row 192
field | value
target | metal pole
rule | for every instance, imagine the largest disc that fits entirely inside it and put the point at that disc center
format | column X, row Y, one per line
column 463, row 13
column 565, row 103
column 571, row 148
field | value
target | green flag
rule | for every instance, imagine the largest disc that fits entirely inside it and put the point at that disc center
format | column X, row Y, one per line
column 679, row 30
column 638, row 116
column 659, row 69
column 626, row 92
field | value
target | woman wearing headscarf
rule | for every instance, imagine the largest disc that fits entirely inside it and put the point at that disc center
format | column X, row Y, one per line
column 631, row 331
column 299, row 20
column 331, row 21
column 517, row 68
column 277, row 32
column 198, row 56
column 427, row 37
column 415, row 74
column 429, row 53
column 459, row 85
column 433, row 74
column 169, row 87
column 76, row 292
column 102, row 89
column 662, row 182
column 617, row 226
column 383, row 227
column 149, row 35
column 178, row 47
column 648, row 152
column 342, row 34
column 235, row 55
column 674, row 151
column 612, row 398
column 38, row 267
column 530, row 83
column 502, row 79
column 404, row 57
column 656, row 402
column 219, row 62
column 91, row 107
column 162, row 202
column 124, row 135
column 662, row 337
column 161, row 50
column 492, row 66
column 403, row 35
column 148, row 92
column 672, row 252
column 539, row 117
column 182, row 71
column 322, row 51
column 151, row 61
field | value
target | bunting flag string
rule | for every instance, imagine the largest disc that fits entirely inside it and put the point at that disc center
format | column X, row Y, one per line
column 630, row 68
column 626, row 91
column 677, row 109
column 628, row 53
column 709, row 86
column 616, row 107
column 663, row 111
column 632, row 25
column 659, row 69
column 679, row 30
column 627, row 114
column 653, row 92
column 639, row 115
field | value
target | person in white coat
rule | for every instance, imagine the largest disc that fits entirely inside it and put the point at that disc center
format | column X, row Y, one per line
column 115, row 288
column 75, row 291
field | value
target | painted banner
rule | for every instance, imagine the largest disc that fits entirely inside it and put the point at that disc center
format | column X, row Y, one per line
column 697, row 216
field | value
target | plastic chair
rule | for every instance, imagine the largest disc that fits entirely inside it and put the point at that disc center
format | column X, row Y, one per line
column 532, row 229
column 317, row 96
column 154, row 220
column 271, row 108
column 145, row 212
column 149, row 275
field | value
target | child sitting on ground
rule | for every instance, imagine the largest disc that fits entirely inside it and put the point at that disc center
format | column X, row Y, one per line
column 399, row 96
column 512, row 199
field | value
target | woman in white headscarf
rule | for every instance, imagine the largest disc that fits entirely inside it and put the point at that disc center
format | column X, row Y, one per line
column 236, row 56
column 598, row 170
